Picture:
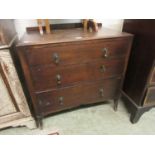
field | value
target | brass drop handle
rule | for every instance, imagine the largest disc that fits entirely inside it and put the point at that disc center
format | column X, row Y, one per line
column 61, row 99
column 105, row 52
column 102, row 68
column 101, row 92
column 58, row 78
column 56, row 58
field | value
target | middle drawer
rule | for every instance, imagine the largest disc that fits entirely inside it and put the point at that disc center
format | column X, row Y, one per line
column 48, row 77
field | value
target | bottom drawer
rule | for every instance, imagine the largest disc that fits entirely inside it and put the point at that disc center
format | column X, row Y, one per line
column 150, row 96
column 64, row 98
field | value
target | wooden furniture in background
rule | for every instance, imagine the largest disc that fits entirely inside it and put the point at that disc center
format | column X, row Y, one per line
column 47, row 26
column 14, row 110
column 90, row 25
column 70, row 68
column 59, row 27
column 139, row 86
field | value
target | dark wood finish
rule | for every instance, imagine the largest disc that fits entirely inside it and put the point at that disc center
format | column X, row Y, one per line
column 29, row 83
column 74, row 36
column 46, row 77
column 68, row 68
column 141, row 62
column 136, row 111
column 65, row 98
column 71, row 54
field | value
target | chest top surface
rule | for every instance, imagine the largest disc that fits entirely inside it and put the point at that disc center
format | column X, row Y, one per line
column 69, row 35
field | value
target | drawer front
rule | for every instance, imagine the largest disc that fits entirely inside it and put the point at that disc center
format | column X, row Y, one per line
column 75, row 54
column 47, row 77
column 65, row 98
column 150, row 96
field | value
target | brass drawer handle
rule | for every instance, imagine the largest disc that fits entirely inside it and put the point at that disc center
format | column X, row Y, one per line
column 61, row 99
column 102, row 68
column 58, row 78
column 105, row 52
column 56, row 58
column 101, row 92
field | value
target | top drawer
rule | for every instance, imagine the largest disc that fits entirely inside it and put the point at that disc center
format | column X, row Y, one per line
column 75, row 53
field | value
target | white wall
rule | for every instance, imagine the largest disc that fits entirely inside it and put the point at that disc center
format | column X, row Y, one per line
column 115, row 24
column 21, row 24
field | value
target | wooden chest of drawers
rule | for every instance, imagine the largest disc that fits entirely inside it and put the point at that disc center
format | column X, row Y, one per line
column 139, row 85
column 70, row 67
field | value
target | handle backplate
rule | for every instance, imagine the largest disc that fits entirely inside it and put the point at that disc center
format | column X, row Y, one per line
column 58, row 78
column 101, row 91
column 105, row 52
column 56, row 58
column 61, row 100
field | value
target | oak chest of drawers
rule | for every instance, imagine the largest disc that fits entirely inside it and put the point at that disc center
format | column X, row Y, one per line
column 69, row 68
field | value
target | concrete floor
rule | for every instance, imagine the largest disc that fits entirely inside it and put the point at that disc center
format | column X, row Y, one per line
column 95, row 120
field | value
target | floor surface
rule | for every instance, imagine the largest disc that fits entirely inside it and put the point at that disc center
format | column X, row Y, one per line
column 95, row 120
